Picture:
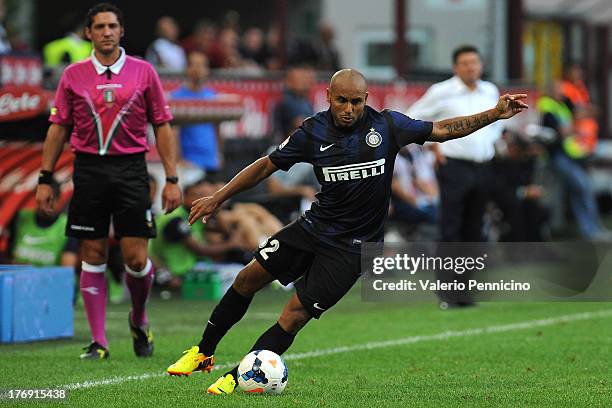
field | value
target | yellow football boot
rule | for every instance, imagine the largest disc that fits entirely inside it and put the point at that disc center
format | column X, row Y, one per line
column 224, row 385
column 192, row 360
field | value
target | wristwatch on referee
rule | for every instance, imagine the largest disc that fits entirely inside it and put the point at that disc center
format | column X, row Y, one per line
column 172, row 179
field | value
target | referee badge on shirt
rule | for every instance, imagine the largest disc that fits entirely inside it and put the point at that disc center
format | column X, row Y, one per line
column 109, row 97
column 373, row 138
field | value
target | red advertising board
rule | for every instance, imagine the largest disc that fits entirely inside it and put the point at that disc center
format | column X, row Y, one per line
column 260, row 96
column 21, row 95
column 22, row 102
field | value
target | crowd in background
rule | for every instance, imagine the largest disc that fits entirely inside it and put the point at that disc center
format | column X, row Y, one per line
column 518, row 199
column 226, row 46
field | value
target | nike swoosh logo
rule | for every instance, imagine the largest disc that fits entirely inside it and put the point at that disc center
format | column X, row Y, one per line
column 316, row 306
column 325, row 148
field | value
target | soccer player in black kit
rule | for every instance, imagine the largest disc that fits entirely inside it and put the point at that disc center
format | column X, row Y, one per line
column 352, row 148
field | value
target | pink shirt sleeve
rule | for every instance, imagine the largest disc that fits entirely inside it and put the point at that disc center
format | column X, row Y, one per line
column 61, row 111
column 158, row 111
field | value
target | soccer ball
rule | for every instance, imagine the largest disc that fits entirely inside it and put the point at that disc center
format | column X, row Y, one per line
column 262, row 371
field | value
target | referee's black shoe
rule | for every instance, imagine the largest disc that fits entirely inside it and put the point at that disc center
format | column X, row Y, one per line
column 142, row 338
column 95, row 352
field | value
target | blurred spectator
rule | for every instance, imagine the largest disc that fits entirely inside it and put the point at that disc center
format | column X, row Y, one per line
column 273, row 49
column 224, row 53
column 523, row 216
column 557, row 116
column 69, row 49
column 200, row 143
column 179, row 246
column 576, row 96
column 202, row 39
column 5, row 46
column 252, row 47
column 320, row 52
column 251, row 222
column 164, row 52
column 16, row 40
column 38, row 239
column 414, row 189
column 573, row 89
column 231, row 20
column 295, row 104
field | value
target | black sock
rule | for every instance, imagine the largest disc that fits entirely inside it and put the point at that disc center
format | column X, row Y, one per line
column 228, row 312
column 233, row 372
column 275, row 339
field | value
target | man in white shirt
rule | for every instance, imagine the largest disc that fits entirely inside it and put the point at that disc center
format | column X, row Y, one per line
column 164, row 52
column 463, row 164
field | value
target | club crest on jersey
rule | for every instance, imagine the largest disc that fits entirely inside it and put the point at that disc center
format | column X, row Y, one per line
column 109, row 97
column 373, row 138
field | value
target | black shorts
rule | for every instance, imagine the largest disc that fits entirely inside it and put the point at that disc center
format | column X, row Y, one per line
column 327, row 273
column 110, row 186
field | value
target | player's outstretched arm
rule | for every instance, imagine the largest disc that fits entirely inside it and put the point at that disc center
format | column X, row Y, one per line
column 507, row 107
column 250, row 176
column 52, row 148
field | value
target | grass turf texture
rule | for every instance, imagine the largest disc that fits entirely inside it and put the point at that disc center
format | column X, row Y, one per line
column 562, row 365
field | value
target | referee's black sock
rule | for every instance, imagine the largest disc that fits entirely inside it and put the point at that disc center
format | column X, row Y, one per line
column 228, row 312
column 275, row 339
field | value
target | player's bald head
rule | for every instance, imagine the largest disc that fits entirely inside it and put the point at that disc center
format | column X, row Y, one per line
column 348, row 78
column 347, row 95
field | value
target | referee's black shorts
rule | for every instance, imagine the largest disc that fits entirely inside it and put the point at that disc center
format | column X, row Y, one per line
column 323, row 273
column 110, row 187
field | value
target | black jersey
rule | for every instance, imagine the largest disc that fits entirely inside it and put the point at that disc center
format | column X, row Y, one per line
column 354, row 167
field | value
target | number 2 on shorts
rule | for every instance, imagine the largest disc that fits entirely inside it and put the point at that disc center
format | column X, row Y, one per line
column 269, row 249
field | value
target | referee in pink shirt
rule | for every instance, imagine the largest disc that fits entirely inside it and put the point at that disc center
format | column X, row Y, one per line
column 103, row 105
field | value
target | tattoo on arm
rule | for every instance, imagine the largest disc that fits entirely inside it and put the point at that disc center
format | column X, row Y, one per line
column 467, row 124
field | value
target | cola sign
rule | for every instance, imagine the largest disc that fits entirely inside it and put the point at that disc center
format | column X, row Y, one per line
column 18, row 103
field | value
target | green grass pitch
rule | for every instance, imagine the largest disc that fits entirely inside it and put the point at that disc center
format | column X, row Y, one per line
column 357, row 354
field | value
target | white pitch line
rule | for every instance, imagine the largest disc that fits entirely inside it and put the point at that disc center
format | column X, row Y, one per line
column 529, row 324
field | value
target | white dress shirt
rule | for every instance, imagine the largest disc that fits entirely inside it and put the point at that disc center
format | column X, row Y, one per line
column 166, row 54
column 451, row 98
